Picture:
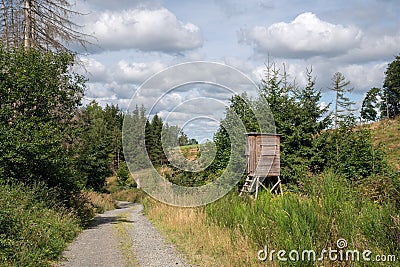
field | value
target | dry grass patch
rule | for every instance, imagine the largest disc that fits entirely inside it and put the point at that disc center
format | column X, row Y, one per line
column 100, row 202
column 204, row 243
column 130, row 195
column 387, row 132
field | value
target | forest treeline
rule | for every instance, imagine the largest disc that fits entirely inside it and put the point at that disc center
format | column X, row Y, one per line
column 52, row 151
column 314, row 137
column 47, row 136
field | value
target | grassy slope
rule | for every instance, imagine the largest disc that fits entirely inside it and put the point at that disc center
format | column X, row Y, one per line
column 190, row 152
column 387, row 133
column 34, row 229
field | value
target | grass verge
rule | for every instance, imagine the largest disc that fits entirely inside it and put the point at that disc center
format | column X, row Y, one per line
column 121, row 231
column 203, row 242
column 101, row 202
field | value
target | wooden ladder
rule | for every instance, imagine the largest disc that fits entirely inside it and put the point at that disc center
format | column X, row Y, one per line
column 252, row 184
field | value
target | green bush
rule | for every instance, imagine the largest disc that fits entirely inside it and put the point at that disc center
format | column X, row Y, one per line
column 32, row 233
column 350, row 151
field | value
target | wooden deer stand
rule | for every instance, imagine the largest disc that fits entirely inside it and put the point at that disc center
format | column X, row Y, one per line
column 263, row 161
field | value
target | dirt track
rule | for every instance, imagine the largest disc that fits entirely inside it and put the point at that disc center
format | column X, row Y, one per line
column 121, row 237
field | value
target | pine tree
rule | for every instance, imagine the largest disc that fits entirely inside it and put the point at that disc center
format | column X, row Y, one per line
column 153, row 132
column 96, row 137
column 133, row 140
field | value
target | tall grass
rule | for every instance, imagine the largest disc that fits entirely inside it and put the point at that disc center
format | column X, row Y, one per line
column 386, row 132
column 230, row 231
column 32, row 233
column 330, row 211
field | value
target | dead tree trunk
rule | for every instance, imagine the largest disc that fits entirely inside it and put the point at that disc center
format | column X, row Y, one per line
column 28, row 24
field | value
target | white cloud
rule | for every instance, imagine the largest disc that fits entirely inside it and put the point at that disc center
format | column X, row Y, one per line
column 99, row 90
column 94, row 70
column 305, row 36
column 363, row 77
column 381, row 47
column 145, row 30
column 137, row 72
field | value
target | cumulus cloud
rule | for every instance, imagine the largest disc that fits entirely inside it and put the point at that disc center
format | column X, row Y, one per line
column 137, row 72
column 94, row 70
column 380, row 47
column 363, row 77
column 144, row 29
column 305, row 36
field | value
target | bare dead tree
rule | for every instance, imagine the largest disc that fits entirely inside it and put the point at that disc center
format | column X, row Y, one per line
column 42, row 24
column 11, row 26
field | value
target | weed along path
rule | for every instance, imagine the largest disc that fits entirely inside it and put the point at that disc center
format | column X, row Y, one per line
column 120, row 238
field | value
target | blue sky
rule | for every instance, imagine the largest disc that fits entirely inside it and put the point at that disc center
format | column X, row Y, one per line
column 136, row 39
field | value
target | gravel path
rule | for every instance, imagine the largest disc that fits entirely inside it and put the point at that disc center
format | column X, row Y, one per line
column 102, row 244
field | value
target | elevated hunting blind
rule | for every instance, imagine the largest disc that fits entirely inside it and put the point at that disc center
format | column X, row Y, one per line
column 263, row 161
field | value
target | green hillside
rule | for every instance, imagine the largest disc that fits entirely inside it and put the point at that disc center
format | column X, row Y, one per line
column 387, row 133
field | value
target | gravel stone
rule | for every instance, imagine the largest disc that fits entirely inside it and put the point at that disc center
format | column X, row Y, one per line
column 149, row 246
column 99, row 245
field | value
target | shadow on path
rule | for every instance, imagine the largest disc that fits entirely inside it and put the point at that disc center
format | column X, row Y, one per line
column 110, row 217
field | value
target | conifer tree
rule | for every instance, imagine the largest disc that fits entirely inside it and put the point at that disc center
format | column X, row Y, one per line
column 342, row 108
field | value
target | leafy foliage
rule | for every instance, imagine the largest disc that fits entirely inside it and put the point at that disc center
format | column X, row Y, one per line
column 370, row 105
column 356, row 156
column 39, row 96
column 99, row 148
column 122, row 174
column 32, row 231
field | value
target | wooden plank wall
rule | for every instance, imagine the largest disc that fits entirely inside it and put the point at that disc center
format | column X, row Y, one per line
column 263, row 155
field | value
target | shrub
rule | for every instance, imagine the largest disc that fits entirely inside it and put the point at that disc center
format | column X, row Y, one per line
column 31, row 233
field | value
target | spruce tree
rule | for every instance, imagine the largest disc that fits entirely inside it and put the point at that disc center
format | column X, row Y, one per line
column 342, row 103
